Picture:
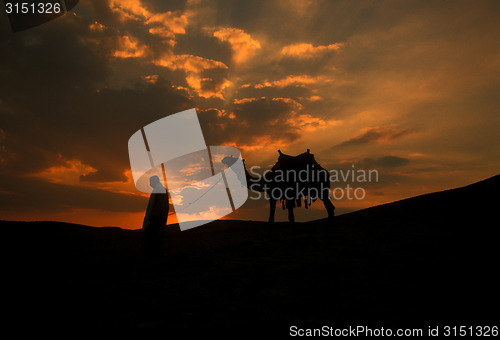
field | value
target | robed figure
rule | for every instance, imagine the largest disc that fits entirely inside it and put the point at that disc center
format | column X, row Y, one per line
column 155, row 219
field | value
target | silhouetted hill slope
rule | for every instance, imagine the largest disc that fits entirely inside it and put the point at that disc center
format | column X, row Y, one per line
column 424, row 261
column 467, row 202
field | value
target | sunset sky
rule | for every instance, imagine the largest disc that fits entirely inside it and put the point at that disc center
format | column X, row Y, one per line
column 410, row 88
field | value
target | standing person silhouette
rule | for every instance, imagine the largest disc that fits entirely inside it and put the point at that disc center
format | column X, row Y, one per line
column 155, row 219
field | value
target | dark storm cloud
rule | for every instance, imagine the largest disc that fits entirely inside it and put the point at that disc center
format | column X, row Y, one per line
column 88, row 125
column 160, row 6
column 31, row 194
column 290, row 91
column 249, row 120
column 199, row 42
column 259, row 113
column 320, row 22
column 375, row 134
column 385, row 161
column 56, row 100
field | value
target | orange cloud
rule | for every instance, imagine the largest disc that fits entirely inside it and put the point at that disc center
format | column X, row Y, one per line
column 207, row 87
column 268, row 143
column 243, row 45
column 298, row 80
column 224, row 113
column 129, row 48
column 314, row 98
column 152, row 79
column 194, row 67
column 129, row 9
column 168, row 24
column 188, row 63
column 308, row 51
column 306, row 122
column 68, row 172
column 293, row 104
column 96, row 26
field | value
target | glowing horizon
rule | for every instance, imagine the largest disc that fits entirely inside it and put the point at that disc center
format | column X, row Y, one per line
column 409, row 89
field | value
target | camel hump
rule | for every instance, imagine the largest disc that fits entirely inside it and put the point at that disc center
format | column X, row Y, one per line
column 281, row 153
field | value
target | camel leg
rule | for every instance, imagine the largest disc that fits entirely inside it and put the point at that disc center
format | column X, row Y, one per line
column 272, row 209
column 289, row 205
column 330, row 208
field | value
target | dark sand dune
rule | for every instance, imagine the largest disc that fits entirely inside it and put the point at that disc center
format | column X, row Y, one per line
column 425, row 261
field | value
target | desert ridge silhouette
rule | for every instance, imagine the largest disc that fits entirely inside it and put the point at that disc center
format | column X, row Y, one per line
column 425, row 260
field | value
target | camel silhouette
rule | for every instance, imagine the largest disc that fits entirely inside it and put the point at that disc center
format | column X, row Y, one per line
column 291, row 180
